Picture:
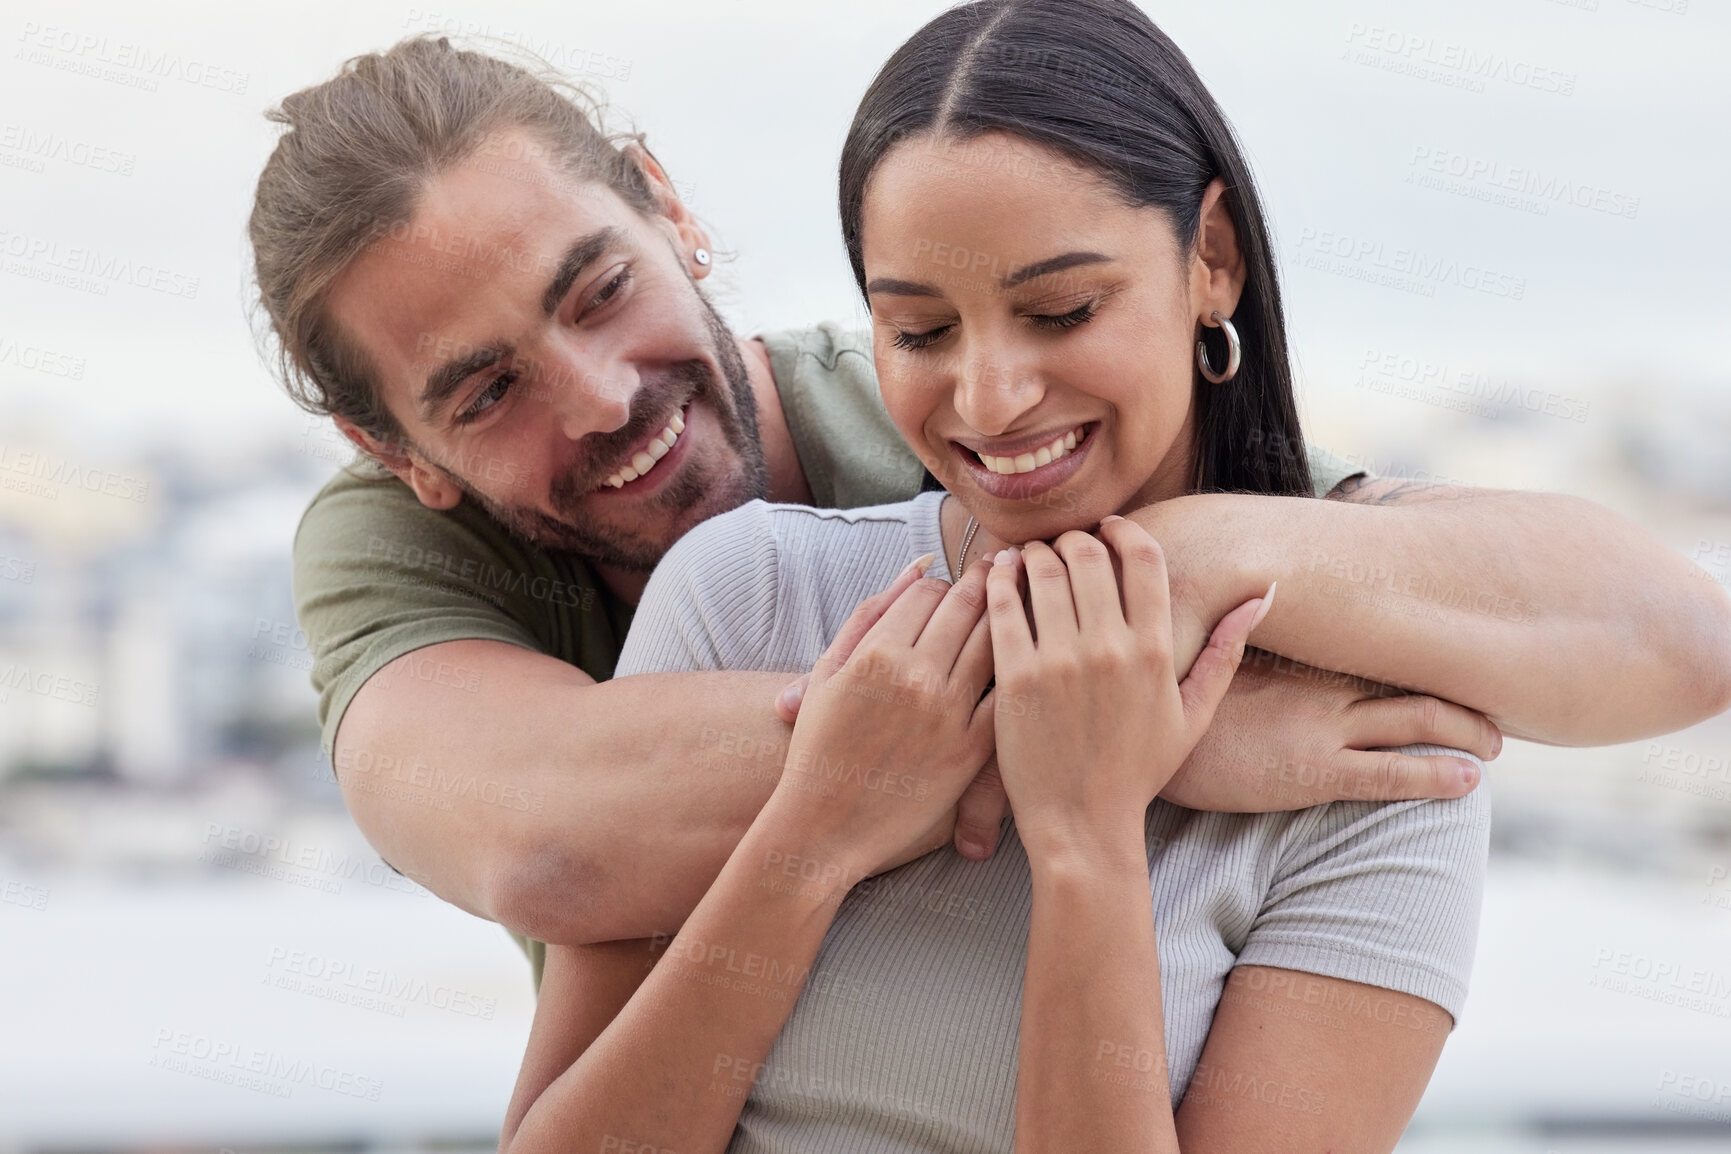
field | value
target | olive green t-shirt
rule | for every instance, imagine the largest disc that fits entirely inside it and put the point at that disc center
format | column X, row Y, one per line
column 378, row 575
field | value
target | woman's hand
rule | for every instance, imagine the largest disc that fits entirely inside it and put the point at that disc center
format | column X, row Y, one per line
column 1106, row 723
column 891, row 729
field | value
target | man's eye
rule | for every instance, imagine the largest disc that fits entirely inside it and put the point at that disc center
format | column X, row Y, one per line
column 917, row 341
column 610, row 289
column 488, row 397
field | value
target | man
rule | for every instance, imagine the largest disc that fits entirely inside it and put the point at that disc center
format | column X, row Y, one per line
column 501, row 308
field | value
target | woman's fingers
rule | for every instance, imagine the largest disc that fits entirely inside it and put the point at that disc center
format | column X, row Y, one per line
column 1377, row 722
column 980, row 813
column 1212, row 671
column 787, row 702
column 1012, row 641
column 1093, row 583
column 865, row 615
column 953, row 621
column 1147, row 595
column 1049, row 592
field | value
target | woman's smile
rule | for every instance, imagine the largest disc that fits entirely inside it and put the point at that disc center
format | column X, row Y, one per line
column 1028, row 466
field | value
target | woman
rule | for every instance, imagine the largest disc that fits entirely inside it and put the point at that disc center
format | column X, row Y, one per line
column 1122, row 975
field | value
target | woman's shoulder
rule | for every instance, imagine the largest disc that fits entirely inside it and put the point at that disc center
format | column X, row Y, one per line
column 762, row 584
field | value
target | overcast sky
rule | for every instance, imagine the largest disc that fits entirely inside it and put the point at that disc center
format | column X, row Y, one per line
column 1622, row 102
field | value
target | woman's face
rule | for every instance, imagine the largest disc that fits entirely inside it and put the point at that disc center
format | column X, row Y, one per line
column 1034, row 336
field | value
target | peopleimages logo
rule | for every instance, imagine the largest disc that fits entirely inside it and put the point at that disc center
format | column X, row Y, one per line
column 53, row 473
column 42, row 257
column 1410, row 269
column 122, row 61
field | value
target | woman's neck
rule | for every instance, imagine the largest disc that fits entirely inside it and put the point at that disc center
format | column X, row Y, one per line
column 953, row 526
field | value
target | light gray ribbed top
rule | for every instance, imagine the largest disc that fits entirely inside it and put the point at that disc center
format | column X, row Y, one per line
column 905, row 1038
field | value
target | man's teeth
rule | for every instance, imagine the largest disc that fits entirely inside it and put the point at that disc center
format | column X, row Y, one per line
column 1028, row 462
column 645, row 460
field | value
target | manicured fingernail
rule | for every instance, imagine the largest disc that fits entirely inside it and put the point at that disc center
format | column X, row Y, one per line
column 790, row 697
column 922, row 564
column 1004, row 557
column 1262, row 610
column 1112, row 517
column 971, row 848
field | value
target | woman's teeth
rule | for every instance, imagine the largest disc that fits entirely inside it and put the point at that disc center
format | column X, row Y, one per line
column 1028, row 462
column 645, row 460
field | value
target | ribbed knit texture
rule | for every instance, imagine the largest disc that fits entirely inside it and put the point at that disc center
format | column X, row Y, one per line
column 905, row 1038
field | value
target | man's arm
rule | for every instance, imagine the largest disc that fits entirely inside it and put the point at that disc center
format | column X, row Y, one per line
column 567, row 810
column 1556, row 618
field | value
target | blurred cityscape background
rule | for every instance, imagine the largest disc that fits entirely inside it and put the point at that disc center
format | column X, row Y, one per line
column 177, row 874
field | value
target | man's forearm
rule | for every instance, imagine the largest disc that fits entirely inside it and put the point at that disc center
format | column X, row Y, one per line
column 570, row 811
column 1554, row 617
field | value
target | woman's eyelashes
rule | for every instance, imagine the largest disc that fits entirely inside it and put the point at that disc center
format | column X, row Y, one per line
column 913, row 342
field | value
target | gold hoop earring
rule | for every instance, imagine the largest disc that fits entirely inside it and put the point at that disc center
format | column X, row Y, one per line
column 1234, row 353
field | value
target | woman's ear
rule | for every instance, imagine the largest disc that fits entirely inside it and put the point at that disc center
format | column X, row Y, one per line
column 1217, row 270
column 689, row 237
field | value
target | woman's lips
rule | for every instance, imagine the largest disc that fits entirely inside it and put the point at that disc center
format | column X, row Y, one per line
column 1033, row 483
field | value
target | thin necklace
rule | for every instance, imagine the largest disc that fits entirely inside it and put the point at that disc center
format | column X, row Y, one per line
column 967, row 539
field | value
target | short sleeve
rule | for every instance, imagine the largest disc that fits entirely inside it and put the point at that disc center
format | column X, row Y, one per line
column 377, row 575
column 1329, row 469
column 1386, row 894
column 711, row 602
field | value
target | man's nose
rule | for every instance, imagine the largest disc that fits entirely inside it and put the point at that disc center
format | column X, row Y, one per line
column 586, row 397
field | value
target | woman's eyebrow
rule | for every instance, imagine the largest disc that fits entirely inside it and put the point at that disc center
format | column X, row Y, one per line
column 1055, row 264
column 909, row 288
column 901, row 288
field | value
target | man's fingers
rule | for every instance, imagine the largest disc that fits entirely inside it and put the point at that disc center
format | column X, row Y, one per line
column 980, row 814
column 1386, row 775
column 1380, row 722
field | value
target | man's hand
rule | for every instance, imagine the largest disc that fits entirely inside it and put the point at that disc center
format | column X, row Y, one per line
column 1288, row 736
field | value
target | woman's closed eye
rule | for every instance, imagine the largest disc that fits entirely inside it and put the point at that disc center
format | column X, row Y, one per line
column 914, row 341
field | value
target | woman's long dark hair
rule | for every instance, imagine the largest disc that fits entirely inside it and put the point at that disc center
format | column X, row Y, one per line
column 1097, row 81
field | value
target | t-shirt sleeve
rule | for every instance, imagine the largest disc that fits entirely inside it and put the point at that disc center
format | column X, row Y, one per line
column 711, row 602
column 377, row 575
column 1329, row 469
column 1386, row 894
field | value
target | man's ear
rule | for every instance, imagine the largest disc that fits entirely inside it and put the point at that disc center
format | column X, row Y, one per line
column 431, row 487
column 689, row 235
column 1217, row 269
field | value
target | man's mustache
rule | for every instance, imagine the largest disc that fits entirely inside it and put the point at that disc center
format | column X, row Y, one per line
column 600, row 454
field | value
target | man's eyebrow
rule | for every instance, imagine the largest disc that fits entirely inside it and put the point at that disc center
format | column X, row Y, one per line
column 444, row 381
column 582, row 253
column 1056, row 264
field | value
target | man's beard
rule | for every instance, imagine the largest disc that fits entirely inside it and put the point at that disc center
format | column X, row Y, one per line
column 735, row 408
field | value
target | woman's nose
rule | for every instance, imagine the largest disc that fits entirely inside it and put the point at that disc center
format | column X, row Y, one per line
column 992, row 392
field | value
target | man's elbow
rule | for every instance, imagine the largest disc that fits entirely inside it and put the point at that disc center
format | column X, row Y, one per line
column 1710, row 654
column 1720, row 659
column 544, row 890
